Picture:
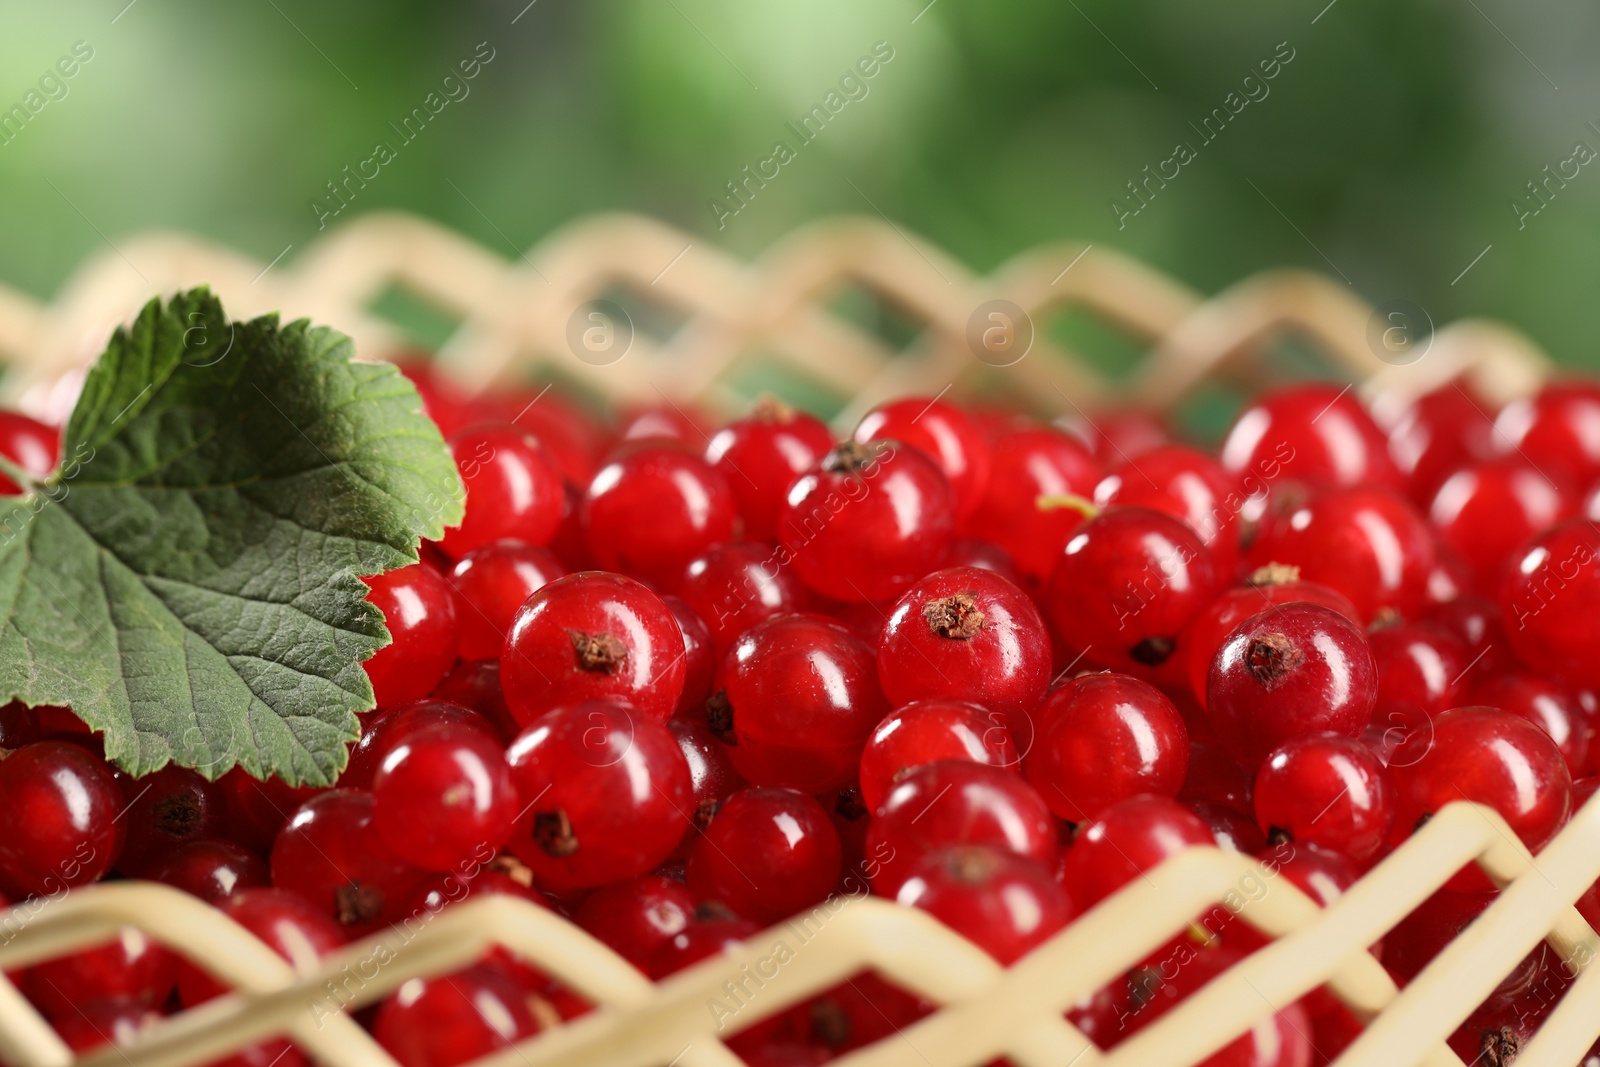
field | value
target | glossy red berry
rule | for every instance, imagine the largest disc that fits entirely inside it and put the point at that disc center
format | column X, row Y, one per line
column 797, row 697
column 1419, row 663
column 1368, row 543
column 1326, row 790
column 942, row 432
column 453, row 1019
column 213, row 870
column 589, row 636
column 1232, row 829
column 29, row 444
column 1215, row 777
column 1188, row 485
column 735, row 585
column 1126, row 840
column 867, row 521
column 1486, row 511
column 129, row 968
column 1476, row 621
column 419, row 608
column 258, row 809
column 760, row 454
column 383, row 731
column 443, row 798
column 927, row 730
column 712, row 777
column 491, row 583
column 767, row 854
column 653, row 508
column 1436, row 435
column 1550, row 602
column 514, row 489
column 1548, row 705
column 637, row 916
column 967, row 634
column 700, row 940
column 956, row 802
column 1038, row 482
column 164, row 810
column 1115, row 435
column 985, row 555
column 61, row 804
column 1291, row 670
column 1126, row 585
column 605, row 794
column 1317, row 433
column 1557, row 430
column 330, row 853
column 1002, row 903
column 475, row 685
column 1102, row 739
column 284, row 922
column 700, row 658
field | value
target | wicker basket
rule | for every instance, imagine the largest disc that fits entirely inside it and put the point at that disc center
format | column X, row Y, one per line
column 515, row 322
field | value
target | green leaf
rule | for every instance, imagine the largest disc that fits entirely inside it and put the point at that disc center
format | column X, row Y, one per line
column 190, row 581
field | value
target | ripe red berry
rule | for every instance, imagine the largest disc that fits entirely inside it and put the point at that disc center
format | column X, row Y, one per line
column 1557, row 430
column 942, row 432
column 927, row 730
column 453, row 1018
column 1002, row 903
column 605, row 794
column 383, row 731
column 653, row 508
column 1548, row 705
column 1419, row 663
column 767, row 854
column 1102, row 739
column 128, row 968
column 1125, row 587
column 1126, row 840
column 1038, row 482
column 1188, row 485
column 1215, row 777
column 797, row 696
column 760, row 454
column 283, row 921
column 419, row 608
column 1484, row 512
column 956, row 802
column 491, row 583
column 164, row 810
column 514, row 489
column 712, row 777
column 967, row 634
column 443, row 798
column 733, row 586
column 1317, row 433
column 475, row 685
column 213, row 870
column 637, row 916
column 1550, row 602
column 700, row 940
column 61, row 804
column 1291, row 670
column 258, row 809
column 1366, row 542
column 1326, row 790
column 867, row 521
column 330, row 854
column 589, row 636
column 29, row 444
column 1436, row 435
column 699, row 658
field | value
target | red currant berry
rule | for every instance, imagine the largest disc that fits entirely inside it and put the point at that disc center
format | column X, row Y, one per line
column 736, row 585
column 1367, row 543
column 1476, row 621
column 669, row 422
column 330, row 854
column 1038, row 484
column 257, row 810
column 605, row 791
column 61, row 804
column 956, row 802
column 164, row 810
column 514, row 489
column 985, row 555
column 1492, row 758
column 967, row 634
column 701, row 940
column 760, row 454
column 1115, row 435
column 1002, row 903
column 867, row 521
column 284, row 922
column 453, row 1019
column 589, row 636
column 1102, row 739
column 1419, row 663
column 1126, row 585
column 944, row 434
column 699, row 658
column 1125, row 841
column 712, row 777
column 1215, row 777
column 1318, row 434
column 1326, row 790
column 1291, row 670
column 1188, row 485
column 491, row 582
column 767, row 854
column 1485, row 512
column 1436, row 435
column 387, row 729
column 1548, row 705
column 1233, row 830
column 475, row 685
column 1557, row 430
column 444, row 797
column 652, row 509
column 797, row 698
column 1550, row 602
column 419, row 609
column 927, row 730
column 129, row 968
column 29, row 444
column 213, row 870
column 636, row 917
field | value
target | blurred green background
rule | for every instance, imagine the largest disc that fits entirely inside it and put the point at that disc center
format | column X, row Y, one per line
column 1390, row 149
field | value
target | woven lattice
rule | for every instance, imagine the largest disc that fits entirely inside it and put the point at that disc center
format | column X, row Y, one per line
column 514, row 323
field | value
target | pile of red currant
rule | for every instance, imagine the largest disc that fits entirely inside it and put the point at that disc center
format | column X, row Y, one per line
column 682, row 683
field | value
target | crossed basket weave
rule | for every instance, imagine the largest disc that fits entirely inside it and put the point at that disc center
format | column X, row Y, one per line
column 514, row 325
